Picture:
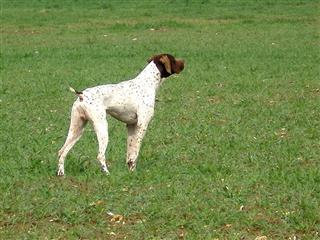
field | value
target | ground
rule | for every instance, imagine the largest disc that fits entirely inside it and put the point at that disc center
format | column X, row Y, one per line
column 232, row 152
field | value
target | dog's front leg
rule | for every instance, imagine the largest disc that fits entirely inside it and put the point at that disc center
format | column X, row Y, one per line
column 136, row 133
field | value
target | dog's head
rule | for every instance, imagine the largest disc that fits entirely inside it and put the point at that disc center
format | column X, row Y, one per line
column 167, row 64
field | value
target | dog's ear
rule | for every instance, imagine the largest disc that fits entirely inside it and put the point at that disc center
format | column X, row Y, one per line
column 164, row 59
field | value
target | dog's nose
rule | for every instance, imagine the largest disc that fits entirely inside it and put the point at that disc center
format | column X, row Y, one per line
column 181, row 63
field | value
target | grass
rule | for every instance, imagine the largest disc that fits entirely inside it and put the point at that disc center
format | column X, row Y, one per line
column 232, row 152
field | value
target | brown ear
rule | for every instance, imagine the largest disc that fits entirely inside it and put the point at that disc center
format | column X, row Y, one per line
column 166, row 62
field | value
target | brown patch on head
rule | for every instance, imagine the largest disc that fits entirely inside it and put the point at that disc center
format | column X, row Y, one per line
column 167, row 64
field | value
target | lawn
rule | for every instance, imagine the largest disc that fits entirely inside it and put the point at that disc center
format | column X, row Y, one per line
column 233, row 151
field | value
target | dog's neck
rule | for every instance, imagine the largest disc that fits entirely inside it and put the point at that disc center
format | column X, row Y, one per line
column 150, row 75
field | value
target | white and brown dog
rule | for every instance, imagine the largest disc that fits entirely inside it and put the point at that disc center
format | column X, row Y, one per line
column 131, row 102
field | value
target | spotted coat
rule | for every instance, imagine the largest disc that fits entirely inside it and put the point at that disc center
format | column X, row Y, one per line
column 131, row 102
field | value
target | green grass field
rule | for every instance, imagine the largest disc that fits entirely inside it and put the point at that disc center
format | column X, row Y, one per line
column 233, row 151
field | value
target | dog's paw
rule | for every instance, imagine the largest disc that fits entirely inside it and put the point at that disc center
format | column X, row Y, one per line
column 131, row 166
column 60, row 173
column 105, row 170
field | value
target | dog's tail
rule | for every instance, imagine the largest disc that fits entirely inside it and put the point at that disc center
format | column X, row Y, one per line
column 78, row 93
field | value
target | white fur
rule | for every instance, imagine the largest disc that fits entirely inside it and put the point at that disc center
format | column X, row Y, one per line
column 131, row 102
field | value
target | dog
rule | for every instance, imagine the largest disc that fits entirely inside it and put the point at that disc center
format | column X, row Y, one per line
column 131, row 102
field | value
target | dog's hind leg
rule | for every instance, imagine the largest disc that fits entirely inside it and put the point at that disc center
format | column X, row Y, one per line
column 100, row 126
column 77, row 124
